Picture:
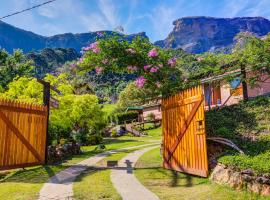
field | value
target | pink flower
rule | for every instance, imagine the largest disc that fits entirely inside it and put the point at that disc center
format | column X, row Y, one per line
column 99, row 70
column 172, row 62
column 80, row 60
column 96, row 50
column 131, row 51
column 132, row 68
column 93, row 45
column 154, row 70
column 73, row 66
column 146, row 67
column 140, row 81
column 153, row 53
column 105, row 61
column 160, row 65
column 200, row 59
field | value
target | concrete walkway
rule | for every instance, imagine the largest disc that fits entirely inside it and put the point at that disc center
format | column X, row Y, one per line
column 59, row 187
column 126, row 183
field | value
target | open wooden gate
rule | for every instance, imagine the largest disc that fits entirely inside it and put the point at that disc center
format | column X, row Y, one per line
column 22, row 134
column 184, row 138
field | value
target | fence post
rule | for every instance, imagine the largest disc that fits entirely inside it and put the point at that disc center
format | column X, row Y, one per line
column 46, row 102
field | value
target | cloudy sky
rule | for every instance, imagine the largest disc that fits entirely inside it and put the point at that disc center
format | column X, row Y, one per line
column 155, row 17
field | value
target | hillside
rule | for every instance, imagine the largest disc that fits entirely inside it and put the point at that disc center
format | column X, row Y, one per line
column 48, row 60
column 201, row 34
column 15, row 38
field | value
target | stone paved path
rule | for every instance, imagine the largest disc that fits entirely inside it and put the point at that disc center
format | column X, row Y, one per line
column 59, row 187
column 126, row 183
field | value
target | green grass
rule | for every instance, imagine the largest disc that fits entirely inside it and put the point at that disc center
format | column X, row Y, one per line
column 25, row 184
column 170, row 185
column 95, row 184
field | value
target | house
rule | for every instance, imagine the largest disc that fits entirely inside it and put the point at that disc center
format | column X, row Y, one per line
column 218, row 91
column 152, row 107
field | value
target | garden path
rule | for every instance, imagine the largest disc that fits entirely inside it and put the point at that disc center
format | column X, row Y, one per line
column 126, row 183
column 59, row 187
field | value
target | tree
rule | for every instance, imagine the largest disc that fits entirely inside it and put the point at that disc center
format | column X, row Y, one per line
column 132, row 95
column 154, row 67
column 12, row 66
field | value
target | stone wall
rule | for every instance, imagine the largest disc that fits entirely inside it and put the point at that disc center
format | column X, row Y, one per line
column 58, row 153
column 245, row 179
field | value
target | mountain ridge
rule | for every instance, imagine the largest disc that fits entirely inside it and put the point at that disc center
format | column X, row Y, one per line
column 201, row 34
column 12, row 38
column 195, row 34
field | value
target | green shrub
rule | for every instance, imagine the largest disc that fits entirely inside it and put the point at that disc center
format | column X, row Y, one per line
column 114, row 133
column 94, row 139
column 259, row 163
column 120, row 118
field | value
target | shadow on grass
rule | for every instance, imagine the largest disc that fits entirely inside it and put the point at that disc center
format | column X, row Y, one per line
column 173, row 178
column 38, row 174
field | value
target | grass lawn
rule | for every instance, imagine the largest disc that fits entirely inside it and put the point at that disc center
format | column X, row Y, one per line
column 169, row 185
column 95, row 184
column 25, row 184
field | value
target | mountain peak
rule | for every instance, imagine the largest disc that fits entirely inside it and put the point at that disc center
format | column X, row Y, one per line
column 200, row 34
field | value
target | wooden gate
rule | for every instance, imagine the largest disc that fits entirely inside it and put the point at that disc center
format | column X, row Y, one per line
column 22, row 134
column 184, row 138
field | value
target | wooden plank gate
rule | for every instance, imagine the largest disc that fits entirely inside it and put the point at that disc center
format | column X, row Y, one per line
column 184, row 138
column 22, row 134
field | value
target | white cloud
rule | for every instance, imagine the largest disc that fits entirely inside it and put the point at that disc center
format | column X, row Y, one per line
column 93, row 22
column 109, row 10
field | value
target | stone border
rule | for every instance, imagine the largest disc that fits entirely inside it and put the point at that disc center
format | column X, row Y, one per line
column 245, row 179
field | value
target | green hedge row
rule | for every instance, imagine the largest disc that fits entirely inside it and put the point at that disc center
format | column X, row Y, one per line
column 120, row 118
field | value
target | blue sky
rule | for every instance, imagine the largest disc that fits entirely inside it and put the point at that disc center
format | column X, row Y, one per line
column 155, row 17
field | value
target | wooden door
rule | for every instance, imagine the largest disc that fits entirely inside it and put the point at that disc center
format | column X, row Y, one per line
column 184, row 138
column 22, row 134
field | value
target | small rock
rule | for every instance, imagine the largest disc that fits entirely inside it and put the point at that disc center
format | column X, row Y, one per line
column 247, row 177
column 248, row 172
column 263, row 180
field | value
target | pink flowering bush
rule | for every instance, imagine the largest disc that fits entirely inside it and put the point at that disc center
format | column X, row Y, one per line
column 155, row 68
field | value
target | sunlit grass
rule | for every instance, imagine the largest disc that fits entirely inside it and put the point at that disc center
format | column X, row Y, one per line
column 170, row 185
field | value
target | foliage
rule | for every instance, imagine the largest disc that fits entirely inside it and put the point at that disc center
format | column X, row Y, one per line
column 242, row 123
column 154, row 67
column 24, row 89
column 81, row 113
column 49, row 60
column 12, row 66
column 120, row 118
column 132, row 95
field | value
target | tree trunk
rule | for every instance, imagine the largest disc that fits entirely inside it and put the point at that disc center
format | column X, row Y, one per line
column 244, row 83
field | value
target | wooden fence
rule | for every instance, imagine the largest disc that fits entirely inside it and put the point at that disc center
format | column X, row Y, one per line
column 22, row 134
column 184, row 138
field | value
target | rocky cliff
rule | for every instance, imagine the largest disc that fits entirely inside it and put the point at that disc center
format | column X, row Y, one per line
column 201, row 34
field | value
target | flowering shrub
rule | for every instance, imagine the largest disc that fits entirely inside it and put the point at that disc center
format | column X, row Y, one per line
column 154, row 67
